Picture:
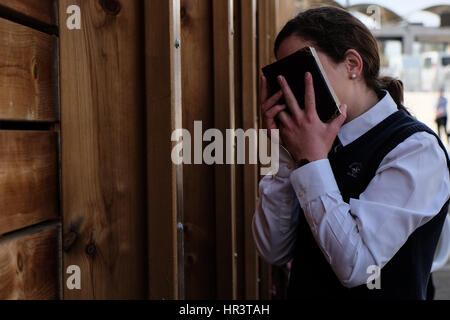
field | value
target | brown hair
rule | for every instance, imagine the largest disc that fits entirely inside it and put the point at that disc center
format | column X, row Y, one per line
column 334, row 31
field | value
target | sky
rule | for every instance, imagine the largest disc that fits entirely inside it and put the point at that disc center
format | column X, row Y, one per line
column 406, row 8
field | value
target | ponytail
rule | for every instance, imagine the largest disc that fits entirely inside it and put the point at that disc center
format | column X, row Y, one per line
column 393, row 86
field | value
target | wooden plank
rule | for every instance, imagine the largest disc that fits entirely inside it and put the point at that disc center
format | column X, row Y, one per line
column 267, row 25
column 41, row 10
column 286, row 10
column 165, row 190
column 103, row 150
column 224, row 174
column 28, row 74
column 28, row 178
column 239, row 169
column 29, row 265
column 249, row 119
column 198, row 180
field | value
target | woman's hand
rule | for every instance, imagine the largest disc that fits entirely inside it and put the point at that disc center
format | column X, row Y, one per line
column 305, row 136
column 269, row 107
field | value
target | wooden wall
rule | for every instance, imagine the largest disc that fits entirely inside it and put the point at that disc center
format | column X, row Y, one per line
column 103, row 149
column 199, row 183
column 29, row 156
column 222, row 46
column 165, row 179
column 86, row 118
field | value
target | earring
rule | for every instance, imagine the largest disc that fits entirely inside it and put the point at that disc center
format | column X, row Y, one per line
column 353, row 76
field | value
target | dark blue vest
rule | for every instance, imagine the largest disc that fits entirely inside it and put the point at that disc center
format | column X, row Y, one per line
column 406, row 275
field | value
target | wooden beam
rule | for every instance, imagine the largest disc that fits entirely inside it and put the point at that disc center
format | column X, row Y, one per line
column 249, row 117
column 286, row 10
column 29, row 264
column 225, row 174
column 267, row 25
column 28, row 74
column 103, row 153
column 198, row 180
column 165, row 188
column 42, row 10
column 28, row 178
column 239, row 169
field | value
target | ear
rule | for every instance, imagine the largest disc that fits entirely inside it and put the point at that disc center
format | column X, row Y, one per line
column 353, row 63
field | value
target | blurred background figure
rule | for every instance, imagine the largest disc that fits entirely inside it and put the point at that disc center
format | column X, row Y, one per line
column 441, row 114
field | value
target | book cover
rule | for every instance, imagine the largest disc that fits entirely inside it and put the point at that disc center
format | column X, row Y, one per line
column 293, row 68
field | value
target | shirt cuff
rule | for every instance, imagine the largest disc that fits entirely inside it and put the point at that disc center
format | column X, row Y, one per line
column 287, row 163
column 313, row 180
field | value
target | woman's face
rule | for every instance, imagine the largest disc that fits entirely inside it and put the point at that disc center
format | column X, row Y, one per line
column 337, row 73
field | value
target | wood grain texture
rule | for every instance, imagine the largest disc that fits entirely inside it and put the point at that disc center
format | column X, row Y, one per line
column 286, row 11
column 28, row 74
column 29, row 265
column 267, row 27
column 249, row 120
column 28, row 178
column 239, row 168
column 198, row 180
column 224, row 98
column 103, row 149
column 164, row 114
column 41, row 10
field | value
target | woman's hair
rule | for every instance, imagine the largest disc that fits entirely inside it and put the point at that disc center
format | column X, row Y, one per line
column 334, row 31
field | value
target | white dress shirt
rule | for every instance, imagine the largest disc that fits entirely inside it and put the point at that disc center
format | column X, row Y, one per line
column 409, row 188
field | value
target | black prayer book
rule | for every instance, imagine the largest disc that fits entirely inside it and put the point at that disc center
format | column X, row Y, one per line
column 293, row 68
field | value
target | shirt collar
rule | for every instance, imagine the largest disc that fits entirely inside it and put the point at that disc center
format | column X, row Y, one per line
column 354, row 129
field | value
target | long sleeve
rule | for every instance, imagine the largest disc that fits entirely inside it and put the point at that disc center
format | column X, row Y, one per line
column 273, row 224
column 409, row 188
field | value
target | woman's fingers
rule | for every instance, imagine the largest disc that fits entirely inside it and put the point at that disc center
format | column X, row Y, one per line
column 310, row 97
column 266, row 105
column 264, row 92
column 265, row 101
column 285, row 119
column 291, row 101
column 274, row 111
column 337, row 123
column 269, row 117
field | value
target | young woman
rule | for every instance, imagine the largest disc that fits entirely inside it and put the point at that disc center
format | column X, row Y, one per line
column 441, row 113
column 362, row 196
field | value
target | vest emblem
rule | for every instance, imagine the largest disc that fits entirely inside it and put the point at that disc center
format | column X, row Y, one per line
column 354, row 169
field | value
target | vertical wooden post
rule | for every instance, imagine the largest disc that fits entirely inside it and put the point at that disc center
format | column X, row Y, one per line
column 267, row 20
column 249, row 117
column 198, row 180
column 102, row 136
column 286, row 11
column 225, row 174
column 165, row 190
column 267, row 27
